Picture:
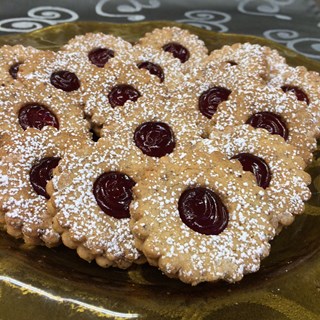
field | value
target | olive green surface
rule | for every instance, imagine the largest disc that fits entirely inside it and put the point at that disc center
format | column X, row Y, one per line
column 41, row 283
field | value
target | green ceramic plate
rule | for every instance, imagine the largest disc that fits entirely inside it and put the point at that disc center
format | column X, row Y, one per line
column 40, row 283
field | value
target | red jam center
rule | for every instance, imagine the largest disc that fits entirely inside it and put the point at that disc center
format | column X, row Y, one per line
column 155, row 139
column 210, row 99
column 271, row 122
column 203, row 211
column 177, row 50
column 100, row 56
column 153, row 68
column 121, row 93
column 257, row 166
column 65, row 80
column 13, row 70
column 34, row 115
column 41, row 173
column 113, row 193
column 301, row 96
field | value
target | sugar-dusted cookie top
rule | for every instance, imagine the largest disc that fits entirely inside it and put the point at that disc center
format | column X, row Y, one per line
column 56, row 73
column 267, row 107
column 243, row 59
column 119, row 87
column 202, row 219
column 26, row 165
column 11, row 59
column 179, row 43
column 22, row 108
column 90, row 197
column 302, row 85
column 99, row 48
column 272, row 161
column 163, row 67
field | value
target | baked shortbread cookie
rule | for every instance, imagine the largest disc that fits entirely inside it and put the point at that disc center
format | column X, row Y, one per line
column 56, row 73
column 202, row 222
column 274, row 164
column 31, row 108
column 243, row 59
column 151, row 130
column 268, row 108
column 90, row 197
column 11, row 58
column 25, row 167
column 99, row 48
column 214, row 90
column 163, row 67
column 179, row 43
column 120, row 87
column 302, row 85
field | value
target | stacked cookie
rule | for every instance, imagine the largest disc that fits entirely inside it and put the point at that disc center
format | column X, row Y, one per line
column 156, row 151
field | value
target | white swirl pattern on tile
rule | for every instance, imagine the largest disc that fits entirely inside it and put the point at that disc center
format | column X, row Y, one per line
column 37, row 18
column 207, row 19
column 264, row 8
column 127, row 10
column 291, row 39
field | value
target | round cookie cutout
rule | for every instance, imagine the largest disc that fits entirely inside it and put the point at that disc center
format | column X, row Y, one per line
column 267, row 107
column 56, row 73
column 22, row 108
column 209, row 192
column 11, row 59
column 90, row 198
column 178, row 43
column 274, row 163
column 26, row 165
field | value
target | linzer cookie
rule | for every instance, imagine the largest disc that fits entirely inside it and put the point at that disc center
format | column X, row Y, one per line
column 120, row 87
column 214, row 90
column 11, row 58
column 274, row 164
column 55, row 73
column 90, row 199
column 99, row 51
column 152, row 129
column 202, row 222
column 163, row 67
column 178, row 43
column 26, row 166
column 302, row 85
column 269, row 108
column 31, row 108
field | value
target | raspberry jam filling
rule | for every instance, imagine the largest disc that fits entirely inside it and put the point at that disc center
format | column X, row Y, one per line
column 34, row 115
column 65, row 80
column 210, row 99
column 155, row 139
column 41, row 173
column 113, row 193
column 153, row 68
column 121, row 93
column 177, row 50
column 202, row 210
column 13, row 70
column 301, row 96
column 271, row 122
column 100, row 56
column 257, row 166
